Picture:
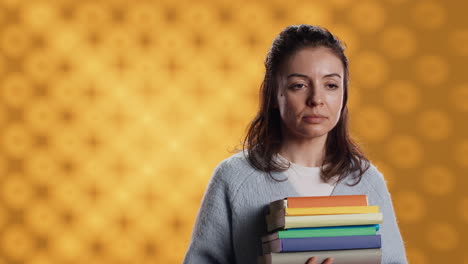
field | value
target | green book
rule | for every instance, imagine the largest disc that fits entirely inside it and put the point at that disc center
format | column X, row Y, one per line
column 358, row 230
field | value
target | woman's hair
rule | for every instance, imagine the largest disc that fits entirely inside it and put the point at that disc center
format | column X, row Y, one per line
column 264, row 137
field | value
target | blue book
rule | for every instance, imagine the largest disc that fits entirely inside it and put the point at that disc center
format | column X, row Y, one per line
column 322, row 243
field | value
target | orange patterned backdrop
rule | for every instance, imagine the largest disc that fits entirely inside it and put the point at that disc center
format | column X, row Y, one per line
column 113, row 115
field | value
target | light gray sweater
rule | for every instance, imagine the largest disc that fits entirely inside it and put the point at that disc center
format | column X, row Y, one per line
column 231, row 219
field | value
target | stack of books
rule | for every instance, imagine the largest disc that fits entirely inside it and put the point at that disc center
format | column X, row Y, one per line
column 341, row 227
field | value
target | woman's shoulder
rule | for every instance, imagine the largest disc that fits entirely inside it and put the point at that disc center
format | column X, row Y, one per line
column 371, row 180
column 375, row 177
column 234, row 168
column 375, row 183
column 237, row 161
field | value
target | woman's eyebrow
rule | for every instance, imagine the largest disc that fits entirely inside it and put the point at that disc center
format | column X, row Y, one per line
column 331, row 75
column 297, row 75
column 305, row 76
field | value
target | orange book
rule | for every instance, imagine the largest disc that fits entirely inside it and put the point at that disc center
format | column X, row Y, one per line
column 319, row 201
column 327, row 201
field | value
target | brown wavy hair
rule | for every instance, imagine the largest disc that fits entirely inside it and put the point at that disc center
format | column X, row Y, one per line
column 263, row 139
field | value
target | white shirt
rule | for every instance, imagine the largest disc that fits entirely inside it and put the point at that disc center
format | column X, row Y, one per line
column 307, row 180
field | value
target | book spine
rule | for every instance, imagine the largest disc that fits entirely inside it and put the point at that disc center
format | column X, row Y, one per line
column 327, row 201
column 332, row 220
column 275, row 222
column 332, row 210
column 352, row 256
column 270, row 237
column 325, row 231
column 330, row 243
column 277, row 205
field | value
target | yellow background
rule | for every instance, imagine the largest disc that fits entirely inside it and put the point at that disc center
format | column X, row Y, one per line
column 113, row 115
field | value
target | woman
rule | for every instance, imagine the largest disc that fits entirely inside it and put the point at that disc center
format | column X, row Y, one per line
column 297, row 145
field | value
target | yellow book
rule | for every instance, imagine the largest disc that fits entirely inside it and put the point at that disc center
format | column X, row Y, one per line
column 275, row 222
column 332, row 210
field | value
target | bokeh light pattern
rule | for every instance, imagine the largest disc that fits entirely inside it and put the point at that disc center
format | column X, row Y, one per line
column 113, row 115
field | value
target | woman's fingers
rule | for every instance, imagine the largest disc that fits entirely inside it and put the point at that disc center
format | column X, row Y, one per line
column 313, row 260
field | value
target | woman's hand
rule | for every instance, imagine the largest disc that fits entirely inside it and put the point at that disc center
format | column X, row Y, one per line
column 313, row 260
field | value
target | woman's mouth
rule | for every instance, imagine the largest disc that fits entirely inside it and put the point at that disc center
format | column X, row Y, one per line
column 314, row 119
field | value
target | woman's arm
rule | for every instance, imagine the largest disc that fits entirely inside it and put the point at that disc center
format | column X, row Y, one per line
column 393, row 250
column 211, row 238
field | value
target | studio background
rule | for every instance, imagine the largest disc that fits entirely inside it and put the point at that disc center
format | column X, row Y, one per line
column 113, row 115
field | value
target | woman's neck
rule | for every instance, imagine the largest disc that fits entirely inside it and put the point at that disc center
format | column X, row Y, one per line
column 308, row 153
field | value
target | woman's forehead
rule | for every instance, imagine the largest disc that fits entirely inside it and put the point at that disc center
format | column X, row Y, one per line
column 317, row 61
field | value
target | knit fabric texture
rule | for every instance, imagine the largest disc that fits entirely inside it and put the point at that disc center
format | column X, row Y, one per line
column 231, row 219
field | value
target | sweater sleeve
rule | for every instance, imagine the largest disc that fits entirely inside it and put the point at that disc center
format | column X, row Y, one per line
column 393, row 250
column 211, row 238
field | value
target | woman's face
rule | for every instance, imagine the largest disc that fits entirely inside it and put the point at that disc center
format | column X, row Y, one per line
column 310, row 93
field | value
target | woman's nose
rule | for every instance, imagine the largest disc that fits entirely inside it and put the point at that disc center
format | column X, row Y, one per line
column 314, row 98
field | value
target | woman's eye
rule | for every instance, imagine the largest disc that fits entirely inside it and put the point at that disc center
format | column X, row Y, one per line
column 332, row 86
column 298, row 86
